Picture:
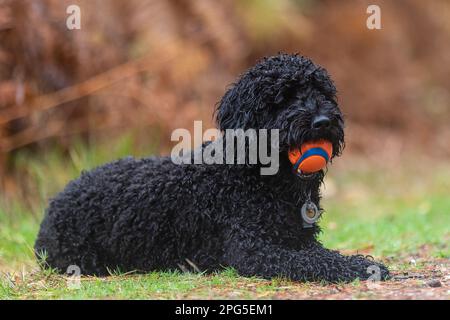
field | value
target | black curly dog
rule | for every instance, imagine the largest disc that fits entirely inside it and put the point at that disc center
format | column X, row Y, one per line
column 152, row 214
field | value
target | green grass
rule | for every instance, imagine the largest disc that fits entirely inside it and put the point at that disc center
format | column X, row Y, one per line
column 390, row 224
column 384, row 213
column 155, row 285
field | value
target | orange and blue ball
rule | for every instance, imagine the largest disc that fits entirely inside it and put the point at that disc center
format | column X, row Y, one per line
column 311, row 156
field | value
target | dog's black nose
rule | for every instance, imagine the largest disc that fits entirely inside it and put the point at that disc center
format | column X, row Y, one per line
column 321, row 122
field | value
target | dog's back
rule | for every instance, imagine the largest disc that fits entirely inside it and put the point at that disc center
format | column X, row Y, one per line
column 128, row 215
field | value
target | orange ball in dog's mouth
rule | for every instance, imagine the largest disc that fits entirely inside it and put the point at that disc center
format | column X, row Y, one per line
column 311, row 156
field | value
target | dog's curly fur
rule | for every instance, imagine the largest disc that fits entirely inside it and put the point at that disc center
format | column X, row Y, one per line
column 152, row 214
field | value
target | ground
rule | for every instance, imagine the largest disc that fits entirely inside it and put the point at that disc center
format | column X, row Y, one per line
column 397, row 213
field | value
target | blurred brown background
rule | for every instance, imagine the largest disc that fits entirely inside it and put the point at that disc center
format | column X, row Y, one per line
column 140, row 66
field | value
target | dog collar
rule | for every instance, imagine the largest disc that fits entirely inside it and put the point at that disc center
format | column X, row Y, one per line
column 309, row 213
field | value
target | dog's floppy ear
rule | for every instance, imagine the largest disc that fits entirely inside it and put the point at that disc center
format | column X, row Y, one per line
column 286, row 90
column 240, row 104
column 244, row 104
column 226, row 111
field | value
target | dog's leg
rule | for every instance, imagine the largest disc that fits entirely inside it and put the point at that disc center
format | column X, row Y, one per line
column 371, row 268
column 251, row 256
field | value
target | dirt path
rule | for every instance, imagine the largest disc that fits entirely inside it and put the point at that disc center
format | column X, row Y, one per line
column 430, row 281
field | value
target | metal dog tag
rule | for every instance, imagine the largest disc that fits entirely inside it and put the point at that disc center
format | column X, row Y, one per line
column 310, row 213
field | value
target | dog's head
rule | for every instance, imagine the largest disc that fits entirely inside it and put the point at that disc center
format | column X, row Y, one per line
column 289, row 93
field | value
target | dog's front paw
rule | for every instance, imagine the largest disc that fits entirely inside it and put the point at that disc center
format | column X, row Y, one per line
column 367, row 268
